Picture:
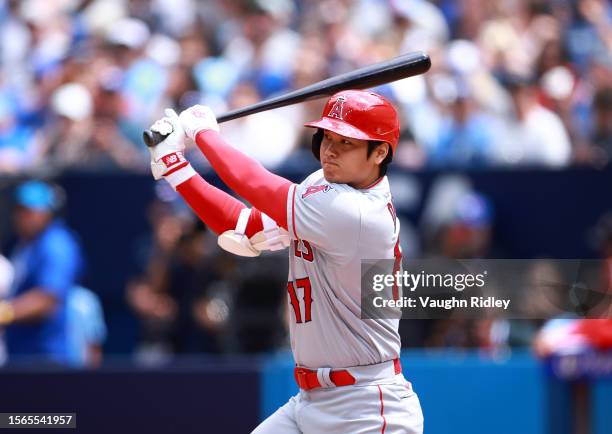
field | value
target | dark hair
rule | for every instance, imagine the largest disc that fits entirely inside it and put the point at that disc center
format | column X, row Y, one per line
column 317, row 138
column 514, row 82
column 372, row 145
column 603, row 99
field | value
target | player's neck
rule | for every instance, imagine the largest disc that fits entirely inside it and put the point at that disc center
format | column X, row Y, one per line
column 368, row 182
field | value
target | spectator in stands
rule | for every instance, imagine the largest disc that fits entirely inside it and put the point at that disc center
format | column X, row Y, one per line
column 466, row 135
column 601, row 135
column 88, row 137
column 131, row 62
column 466, row 234
column 268, row 137
column 6, row 280
column 533, row 135
column 602, row 240
column 47, row 262
column 86, row 328
column 20, row 145
column 589, row 33
column 178, row 297
column 6, row 276
column 259, row 307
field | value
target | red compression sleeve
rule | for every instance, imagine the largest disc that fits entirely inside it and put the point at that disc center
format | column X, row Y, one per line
column 216, row 208
column 248, row 178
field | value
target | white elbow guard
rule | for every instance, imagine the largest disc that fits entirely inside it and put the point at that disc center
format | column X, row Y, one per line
column 272, row 237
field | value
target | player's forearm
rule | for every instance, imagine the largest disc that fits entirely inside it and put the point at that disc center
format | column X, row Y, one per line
column 32, row 306
column 247, row 177
column 216, row 208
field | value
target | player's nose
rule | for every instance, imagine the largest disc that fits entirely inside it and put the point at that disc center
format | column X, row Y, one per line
column 330, row 149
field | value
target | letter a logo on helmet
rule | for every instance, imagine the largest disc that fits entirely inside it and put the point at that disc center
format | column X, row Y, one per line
column 336, row 110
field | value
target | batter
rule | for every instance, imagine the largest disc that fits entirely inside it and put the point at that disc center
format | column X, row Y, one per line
column 348, row 369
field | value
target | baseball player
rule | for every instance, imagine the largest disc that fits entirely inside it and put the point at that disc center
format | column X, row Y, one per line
column 348, row 369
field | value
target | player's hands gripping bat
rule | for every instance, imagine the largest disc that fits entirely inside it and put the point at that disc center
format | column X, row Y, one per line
column 167, row 156
column 198, row 118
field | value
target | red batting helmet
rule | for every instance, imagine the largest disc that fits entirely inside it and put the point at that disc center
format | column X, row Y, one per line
column 359, row 114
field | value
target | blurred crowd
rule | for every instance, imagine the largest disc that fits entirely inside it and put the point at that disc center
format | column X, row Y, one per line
column 513, row 82
column 186, row 296
column 45, row 315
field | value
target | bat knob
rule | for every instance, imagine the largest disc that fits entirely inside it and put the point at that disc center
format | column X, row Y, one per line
column 152, row 138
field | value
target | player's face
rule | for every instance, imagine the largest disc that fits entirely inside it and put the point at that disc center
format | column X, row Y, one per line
column 30, row 222
column 345, row 160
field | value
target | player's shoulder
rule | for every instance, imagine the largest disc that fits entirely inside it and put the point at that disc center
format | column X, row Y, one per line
column 317, row 178
column 376, row 195
column 379, row 188
column 316, row 183
column 314, row 178
column 58, row 232
column 316, row 192
column 58, row 239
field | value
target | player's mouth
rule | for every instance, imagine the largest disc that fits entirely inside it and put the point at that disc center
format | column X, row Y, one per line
column 330, row 163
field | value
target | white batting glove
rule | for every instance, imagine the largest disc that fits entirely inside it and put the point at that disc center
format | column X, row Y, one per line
column 168, row 156
column 198, row 118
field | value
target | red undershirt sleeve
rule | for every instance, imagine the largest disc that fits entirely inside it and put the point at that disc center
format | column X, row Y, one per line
column 216, row 208
column 248, row 178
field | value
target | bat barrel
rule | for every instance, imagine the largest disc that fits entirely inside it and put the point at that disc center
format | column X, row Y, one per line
column 370, row 76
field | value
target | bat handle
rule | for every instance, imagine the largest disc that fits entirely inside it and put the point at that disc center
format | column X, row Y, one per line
column 152, row 138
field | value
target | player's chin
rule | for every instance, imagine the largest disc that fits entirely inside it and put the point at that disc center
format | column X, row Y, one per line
column 331, row 174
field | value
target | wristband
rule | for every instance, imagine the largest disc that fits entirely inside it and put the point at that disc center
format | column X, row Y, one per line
column 177, row 177
column 7, row 313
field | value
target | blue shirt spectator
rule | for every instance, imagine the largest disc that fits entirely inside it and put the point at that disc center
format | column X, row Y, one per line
column 86, row 327
column 47, row 262
column 465, row 138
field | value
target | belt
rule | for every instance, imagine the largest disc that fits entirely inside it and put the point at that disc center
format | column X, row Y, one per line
column 308, row 379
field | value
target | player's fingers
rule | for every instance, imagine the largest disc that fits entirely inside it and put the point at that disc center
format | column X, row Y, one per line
column 170, row 113
column 162, row 126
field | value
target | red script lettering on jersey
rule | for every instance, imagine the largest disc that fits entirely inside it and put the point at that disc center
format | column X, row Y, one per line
column 315, row 189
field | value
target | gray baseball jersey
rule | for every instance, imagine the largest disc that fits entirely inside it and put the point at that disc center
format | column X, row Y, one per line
column 333, row 227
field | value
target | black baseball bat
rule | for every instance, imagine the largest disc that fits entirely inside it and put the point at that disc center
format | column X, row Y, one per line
column 404, row 66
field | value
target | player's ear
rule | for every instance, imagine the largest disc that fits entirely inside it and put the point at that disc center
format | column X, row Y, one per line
column 381, row 152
